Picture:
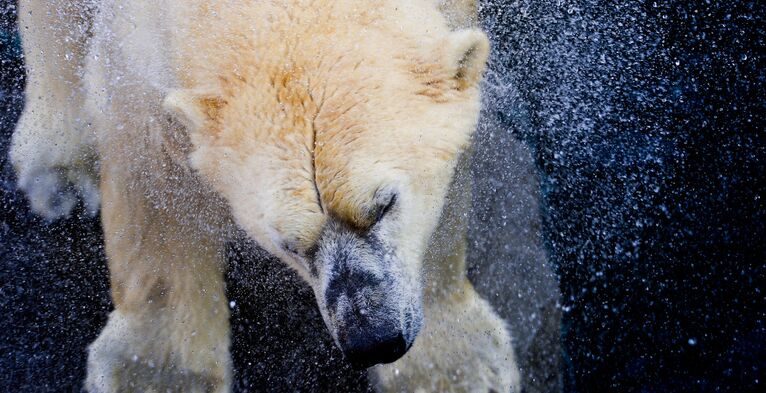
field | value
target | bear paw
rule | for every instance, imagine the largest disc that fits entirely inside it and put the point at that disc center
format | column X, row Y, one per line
column 126, row 358
column 54, row 164
column 464, row 347
column 53, row 192
column 114, row 372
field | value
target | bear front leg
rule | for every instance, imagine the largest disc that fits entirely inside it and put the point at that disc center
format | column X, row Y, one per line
column 463, row 347
column 51, row 146
column 169, row 331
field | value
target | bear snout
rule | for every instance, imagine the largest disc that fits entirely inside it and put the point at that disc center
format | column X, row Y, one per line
column 369, row 307
column 368, row 327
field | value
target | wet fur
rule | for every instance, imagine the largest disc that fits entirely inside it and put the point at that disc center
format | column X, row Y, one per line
column 170, row 115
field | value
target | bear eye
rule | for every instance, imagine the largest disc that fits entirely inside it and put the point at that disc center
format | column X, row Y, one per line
column 307, row 257
column 289, row 247
column 383, row 209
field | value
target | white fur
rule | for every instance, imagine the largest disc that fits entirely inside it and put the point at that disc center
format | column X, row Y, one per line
column 276, row 117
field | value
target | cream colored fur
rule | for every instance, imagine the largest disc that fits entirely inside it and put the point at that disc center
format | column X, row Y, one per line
column 271, row 116
column 52, row 144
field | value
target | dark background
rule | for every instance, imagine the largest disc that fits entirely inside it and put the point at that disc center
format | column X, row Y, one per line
column 645, row 122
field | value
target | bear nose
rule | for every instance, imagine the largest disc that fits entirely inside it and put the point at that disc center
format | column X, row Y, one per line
column 364, row 350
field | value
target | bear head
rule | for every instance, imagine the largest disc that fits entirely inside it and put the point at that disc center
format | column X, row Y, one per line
column 333, row 135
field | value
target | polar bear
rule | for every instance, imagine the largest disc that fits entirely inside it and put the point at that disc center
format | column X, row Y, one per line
column 332, row 132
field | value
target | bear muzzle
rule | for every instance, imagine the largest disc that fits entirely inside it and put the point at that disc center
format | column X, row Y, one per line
column 370, row 306
column 368, row 326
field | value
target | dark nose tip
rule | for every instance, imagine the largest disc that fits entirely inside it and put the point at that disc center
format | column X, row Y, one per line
column 364, row 351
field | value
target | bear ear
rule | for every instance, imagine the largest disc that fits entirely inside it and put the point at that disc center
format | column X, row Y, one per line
column 194, row 109
column 466, row 55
